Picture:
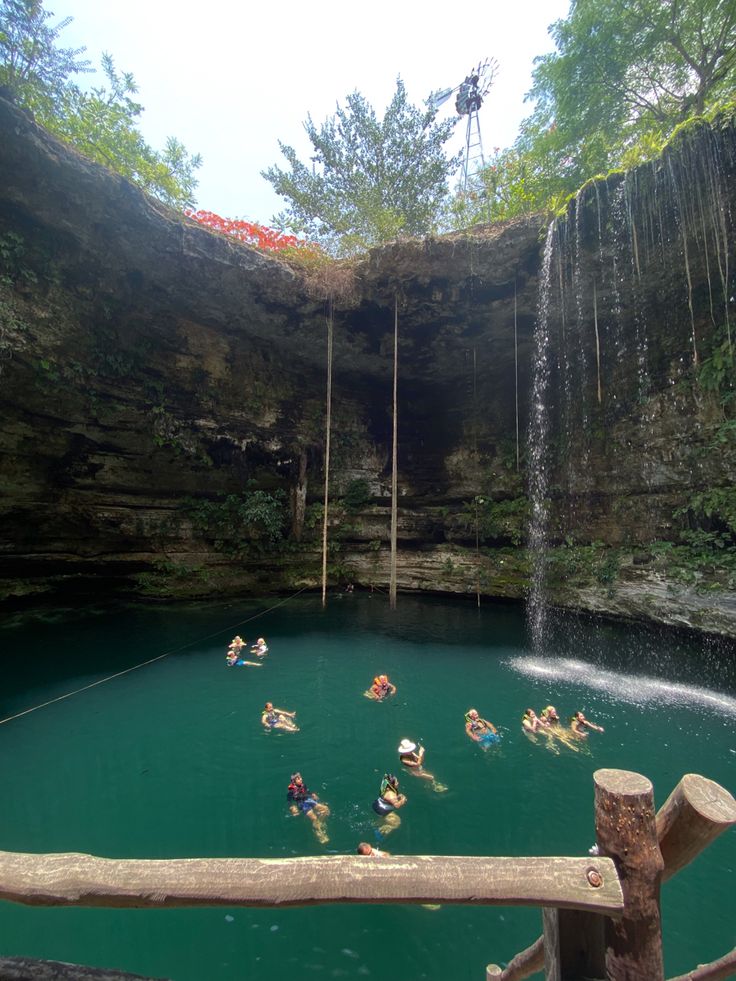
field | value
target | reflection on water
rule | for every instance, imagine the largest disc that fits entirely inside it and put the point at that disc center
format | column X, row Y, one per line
column 635, row 689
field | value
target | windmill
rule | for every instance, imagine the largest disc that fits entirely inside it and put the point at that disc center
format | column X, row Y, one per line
column 469, row 95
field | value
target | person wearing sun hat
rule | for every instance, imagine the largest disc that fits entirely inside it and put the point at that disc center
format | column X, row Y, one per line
column 412, row 757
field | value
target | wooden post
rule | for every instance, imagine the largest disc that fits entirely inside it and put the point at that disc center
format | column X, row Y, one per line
column 551, row 938
column 626, row 832
column 576, row 944
column 697, row 811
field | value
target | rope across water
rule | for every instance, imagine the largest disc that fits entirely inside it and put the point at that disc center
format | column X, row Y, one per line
column 152, row 660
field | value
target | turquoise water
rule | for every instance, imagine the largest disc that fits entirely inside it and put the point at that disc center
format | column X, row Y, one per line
column 171, row 761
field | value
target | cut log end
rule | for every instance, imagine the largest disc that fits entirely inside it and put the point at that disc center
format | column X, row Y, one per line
column 622, row 783
column 709, row 799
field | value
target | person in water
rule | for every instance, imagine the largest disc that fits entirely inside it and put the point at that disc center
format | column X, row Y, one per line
column 260, row 648
column 550, row 716
column 365, row 849
column 381, row 688
column 388, row 802
column 232, row 659
column 275, row 718
column 412, row 757
column 301, row 799
column 555, row 729
column 531, row 722
column 580, row 725
column 480, row 730
column 237, row 644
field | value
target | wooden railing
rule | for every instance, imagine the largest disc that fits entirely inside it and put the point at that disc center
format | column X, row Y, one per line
column 84, row 880
column 600, row 914
column 647, row 849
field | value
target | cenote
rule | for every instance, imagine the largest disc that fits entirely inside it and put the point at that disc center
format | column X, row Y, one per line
column 171, row 761
column 513, row 427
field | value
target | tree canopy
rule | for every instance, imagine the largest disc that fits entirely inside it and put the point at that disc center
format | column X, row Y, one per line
column 624, row 75
column 102, row 122
column 372, row 180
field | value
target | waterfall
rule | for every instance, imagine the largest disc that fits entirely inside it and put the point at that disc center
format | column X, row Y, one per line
column 635, row 290
column 539, row 426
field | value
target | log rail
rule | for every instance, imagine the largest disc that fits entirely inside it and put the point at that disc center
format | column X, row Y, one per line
column 85, row 880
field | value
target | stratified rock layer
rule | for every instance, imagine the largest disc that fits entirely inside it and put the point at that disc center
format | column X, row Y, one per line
column 149, row 364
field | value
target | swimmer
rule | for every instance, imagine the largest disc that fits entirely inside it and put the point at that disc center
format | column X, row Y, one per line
column 579, row 724
column 387, row 803
column 480, row 730
column 303, row 800
column 237, row 644
column 381, row 688
column 531, row 722
column 260, row 648
column 556, row 730
column 365, row 849
column 412, row 757
column 233, row 660
column 275, row 718
column 549, row 714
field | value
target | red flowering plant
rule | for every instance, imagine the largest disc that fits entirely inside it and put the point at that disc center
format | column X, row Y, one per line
column 259, row 236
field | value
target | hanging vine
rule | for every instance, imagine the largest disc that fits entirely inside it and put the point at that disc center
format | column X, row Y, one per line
column 394, row 460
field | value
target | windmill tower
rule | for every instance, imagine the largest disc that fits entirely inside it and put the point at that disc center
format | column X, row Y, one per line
column 469, row 95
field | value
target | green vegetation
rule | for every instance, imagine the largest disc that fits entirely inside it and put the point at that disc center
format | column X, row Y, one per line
column 357, row 495
column 583, row 564
column 498, row 520
column 716, row 376
column 101, row 123
column 166, row 578
column 624, row 75
column 372, row 180
column 705, row 562
column 252, row 519
column 13, row 273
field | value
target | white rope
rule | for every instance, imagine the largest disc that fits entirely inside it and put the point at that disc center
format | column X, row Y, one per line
column 176, row 650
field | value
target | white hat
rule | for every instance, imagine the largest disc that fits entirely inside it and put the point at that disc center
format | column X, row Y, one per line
column 407, row 746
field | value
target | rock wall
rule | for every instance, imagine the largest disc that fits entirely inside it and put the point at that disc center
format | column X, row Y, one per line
column 163, row 404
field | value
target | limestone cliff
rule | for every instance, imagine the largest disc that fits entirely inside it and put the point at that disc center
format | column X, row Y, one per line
column 163, row 402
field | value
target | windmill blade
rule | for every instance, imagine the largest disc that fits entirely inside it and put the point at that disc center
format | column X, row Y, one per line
column 439, row 98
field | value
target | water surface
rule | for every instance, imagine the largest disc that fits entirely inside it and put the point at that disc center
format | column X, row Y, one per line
column 171, row 761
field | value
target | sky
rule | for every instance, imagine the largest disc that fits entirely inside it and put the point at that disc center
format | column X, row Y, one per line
column 230, row 80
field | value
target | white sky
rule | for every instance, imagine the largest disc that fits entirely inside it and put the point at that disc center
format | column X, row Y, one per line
column 230, row 79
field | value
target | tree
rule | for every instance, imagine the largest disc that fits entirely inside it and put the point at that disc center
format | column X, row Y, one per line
column 372, row 179
column 32, row 68
column 100, row 123
column 626, row 71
